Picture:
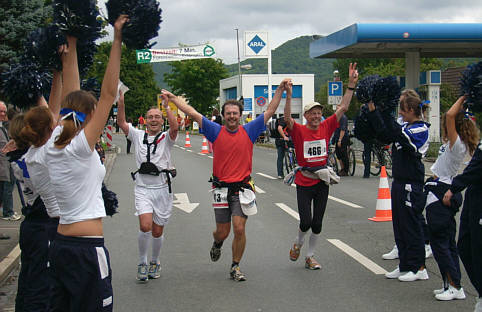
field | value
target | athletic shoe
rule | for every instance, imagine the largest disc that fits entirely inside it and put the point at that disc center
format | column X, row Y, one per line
column 393, row 254
column 394, row 274
column 312, row 264
column 154, row 270
column 294, row 252
column 13, row 217
column 478, row 305
column 215, row 252
column 411, row 277
column 450, row 294
column 439, row 291
column 428, row 251
column 280, row 177
column 142, row 273
column 236, row 274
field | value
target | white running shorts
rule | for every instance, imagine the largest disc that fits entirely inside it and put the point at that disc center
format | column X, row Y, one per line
column 157, row 201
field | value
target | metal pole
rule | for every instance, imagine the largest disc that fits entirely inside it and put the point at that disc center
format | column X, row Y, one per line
column 240, row 80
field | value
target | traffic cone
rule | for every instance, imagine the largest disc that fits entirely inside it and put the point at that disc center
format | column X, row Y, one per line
column 188, row 140
column 384, row 201
column 204, row 149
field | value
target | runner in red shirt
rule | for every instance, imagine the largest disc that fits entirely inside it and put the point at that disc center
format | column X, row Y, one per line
column 311, row 145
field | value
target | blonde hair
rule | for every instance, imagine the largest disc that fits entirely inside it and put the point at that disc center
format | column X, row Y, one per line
column 79, row 101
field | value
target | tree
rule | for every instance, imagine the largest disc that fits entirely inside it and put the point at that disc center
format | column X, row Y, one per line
column 138, row 77
column 198, row 81
column 17, row 20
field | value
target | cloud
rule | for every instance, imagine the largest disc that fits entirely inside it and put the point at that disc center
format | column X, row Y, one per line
column 193, row 22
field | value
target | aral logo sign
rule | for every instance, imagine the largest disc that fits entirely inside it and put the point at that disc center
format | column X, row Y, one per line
column 256, row 44
column 208, row 50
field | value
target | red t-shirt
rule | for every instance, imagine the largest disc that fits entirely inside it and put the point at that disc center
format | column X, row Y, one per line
column 311, row 146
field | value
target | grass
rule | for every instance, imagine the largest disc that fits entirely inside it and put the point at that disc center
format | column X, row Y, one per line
column 433, row 149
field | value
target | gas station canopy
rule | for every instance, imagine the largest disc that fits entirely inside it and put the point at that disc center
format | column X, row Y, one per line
column 395, row 40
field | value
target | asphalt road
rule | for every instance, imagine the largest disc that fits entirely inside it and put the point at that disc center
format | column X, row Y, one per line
column 349, row 249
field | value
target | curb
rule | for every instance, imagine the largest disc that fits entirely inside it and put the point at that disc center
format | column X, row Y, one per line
column 13, row 258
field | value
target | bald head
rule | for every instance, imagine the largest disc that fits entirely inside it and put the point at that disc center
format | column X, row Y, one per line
column 3, row 111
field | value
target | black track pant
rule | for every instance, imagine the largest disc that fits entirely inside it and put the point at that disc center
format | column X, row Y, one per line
column 306, row 195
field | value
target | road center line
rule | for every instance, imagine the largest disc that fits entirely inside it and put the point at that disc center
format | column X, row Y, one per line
column 367, row 263
column 183, row 148
column 266, row 176
column 289, row 211
column 344, row 202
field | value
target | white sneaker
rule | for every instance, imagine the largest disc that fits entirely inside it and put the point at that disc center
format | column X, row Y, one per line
column 393, row 254
column 451, row 293
column 394, row 274
column 478, row 305
column 439, row 291
column 411, row 277
column 428, row 251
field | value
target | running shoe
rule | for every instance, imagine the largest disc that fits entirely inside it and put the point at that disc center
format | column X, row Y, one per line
column 450, row 294
column 154, row 270
column 412, row 277
column 13, row 217
column 142, row 273
column 312, row 264
column 393, row 254
column 236, row 274
column 215, row 252
column 294, row 252
column 428, row 251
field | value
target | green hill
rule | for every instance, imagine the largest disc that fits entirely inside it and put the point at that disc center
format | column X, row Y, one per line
column 292, row 57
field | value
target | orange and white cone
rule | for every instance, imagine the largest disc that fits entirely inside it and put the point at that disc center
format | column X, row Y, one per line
column 188, row 140
column 204, row 148
column 384, row 201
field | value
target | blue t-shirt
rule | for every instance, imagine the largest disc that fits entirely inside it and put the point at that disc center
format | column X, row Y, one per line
column 253, row 128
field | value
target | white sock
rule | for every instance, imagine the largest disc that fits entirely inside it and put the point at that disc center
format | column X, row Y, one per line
column 312, row 244
column 301, row 238
column 143, row 239
column 156, row 248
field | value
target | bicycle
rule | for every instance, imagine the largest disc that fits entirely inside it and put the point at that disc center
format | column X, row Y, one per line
column 381, row 155
column 332, row 160
column 290, row 157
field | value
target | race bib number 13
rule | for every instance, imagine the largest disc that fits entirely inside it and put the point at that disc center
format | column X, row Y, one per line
column 220, row 197
column 314, row 150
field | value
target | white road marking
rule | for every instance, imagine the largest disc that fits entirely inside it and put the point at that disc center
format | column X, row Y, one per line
column 183, row 148
column 289, row 211
column 259, row 190
column 266, row 176
column 367, row 263
column 182, row 202
column 211, row 157
column 189, row 151
column 344, row 202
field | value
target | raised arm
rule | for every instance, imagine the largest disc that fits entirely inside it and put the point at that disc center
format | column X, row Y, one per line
column 109, row 86
column 184, row 107
column 273, row 105
column 70, row 67
column 173, row 126
column 450, row 120
column 55, row 97
column 345, row 101
column 121, row 114
column 287, row 113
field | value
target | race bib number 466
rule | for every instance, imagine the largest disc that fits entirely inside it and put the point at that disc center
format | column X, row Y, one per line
column 314, row 150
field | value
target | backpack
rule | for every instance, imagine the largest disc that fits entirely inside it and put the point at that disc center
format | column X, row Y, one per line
column 273, row 129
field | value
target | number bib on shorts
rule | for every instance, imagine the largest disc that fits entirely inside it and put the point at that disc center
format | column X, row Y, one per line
column 220, row 197
column 314, row 150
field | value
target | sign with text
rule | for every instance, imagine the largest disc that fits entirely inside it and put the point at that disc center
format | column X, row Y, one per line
column 256, row 44
column 172, row 106
column 175, row 54
column 248, row 104
column 335, row 92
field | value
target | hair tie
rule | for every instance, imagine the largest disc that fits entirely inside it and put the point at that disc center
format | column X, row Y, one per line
column 78, row 117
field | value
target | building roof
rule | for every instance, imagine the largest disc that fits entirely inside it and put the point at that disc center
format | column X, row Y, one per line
column 393, row 40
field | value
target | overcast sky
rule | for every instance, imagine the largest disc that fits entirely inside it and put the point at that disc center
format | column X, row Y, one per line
column 214, row 21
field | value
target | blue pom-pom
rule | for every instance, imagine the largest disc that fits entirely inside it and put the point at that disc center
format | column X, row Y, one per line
column 110, row 201
column 85, row 55
column 143, row 24
column 42, row 47
column 78, row 18
column 24, row 83
column 471, row 85
column 91, row 85
column 363, row 129
column 386, row 93
column 364, row 89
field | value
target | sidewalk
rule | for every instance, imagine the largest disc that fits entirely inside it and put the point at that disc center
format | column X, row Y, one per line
column 9, row 249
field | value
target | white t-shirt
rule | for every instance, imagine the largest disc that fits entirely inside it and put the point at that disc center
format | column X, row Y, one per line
column 162, row 157
column 449, row 160
column 76, row 175
column 36, row 161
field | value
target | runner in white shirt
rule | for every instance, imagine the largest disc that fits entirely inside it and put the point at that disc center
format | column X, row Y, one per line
column 153, row 193
column 460, row 135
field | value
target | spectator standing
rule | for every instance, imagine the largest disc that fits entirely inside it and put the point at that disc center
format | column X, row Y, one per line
column 367, row 158
column 141, row 122
column 281, row 143
column 341, row 141
column 7, row 181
